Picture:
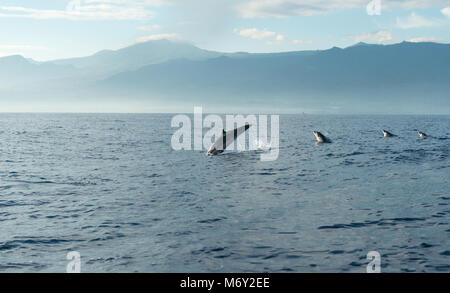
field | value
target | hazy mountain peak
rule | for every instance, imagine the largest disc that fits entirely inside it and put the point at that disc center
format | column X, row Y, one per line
column 16, row 60
column 13, row 58
column 157, row 45
column 335, row 49
column 137, row 55
column 362, row 44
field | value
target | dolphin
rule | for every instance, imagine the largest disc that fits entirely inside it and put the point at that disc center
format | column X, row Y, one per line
column 387, row 133
column 321, row 138
column 422, row 134
column 227, row 138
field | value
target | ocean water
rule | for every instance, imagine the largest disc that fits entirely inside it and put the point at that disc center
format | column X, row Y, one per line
column 111, row 187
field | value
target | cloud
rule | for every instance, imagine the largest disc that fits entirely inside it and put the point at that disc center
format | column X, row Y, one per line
column 412, row 4
column 258, row 34
column 157, row 37
column 22, row 47
column 300, row 42
column 280, row 38
column 376, row 37
column 425, row 39
column 133, row 2
column 446, row 11
column 287, row 8
column 254, row 33
column 415, row 21
column 277, row 8
column 153, row 27
column 88, row 10
column 277, row 40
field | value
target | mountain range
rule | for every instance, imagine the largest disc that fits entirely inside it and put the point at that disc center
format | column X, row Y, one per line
column 176, row 76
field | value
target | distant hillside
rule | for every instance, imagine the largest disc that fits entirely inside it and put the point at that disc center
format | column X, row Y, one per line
column 17, row 71
column 349, row 79
column 136, row 56
column 363, row 78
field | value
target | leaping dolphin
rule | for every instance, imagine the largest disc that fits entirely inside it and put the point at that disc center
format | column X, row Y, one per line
column 227, row 138
column 321, row 138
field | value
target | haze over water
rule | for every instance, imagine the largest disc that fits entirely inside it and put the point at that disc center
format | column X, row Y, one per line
column 111, row 187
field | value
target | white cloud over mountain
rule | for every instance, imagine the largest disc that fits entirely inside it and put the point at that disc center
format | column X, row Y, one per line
column 425, row 39
column 414, row 21
column 158, row 37
column 254, row 33
column 376, row 37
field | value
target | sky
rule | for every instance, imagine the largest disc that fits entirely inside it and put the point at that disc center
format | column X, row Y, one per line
column 55, row 29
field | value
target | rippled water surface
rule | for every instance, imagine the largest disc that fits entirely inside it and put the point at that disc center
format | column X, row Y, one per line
column 111, row 187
